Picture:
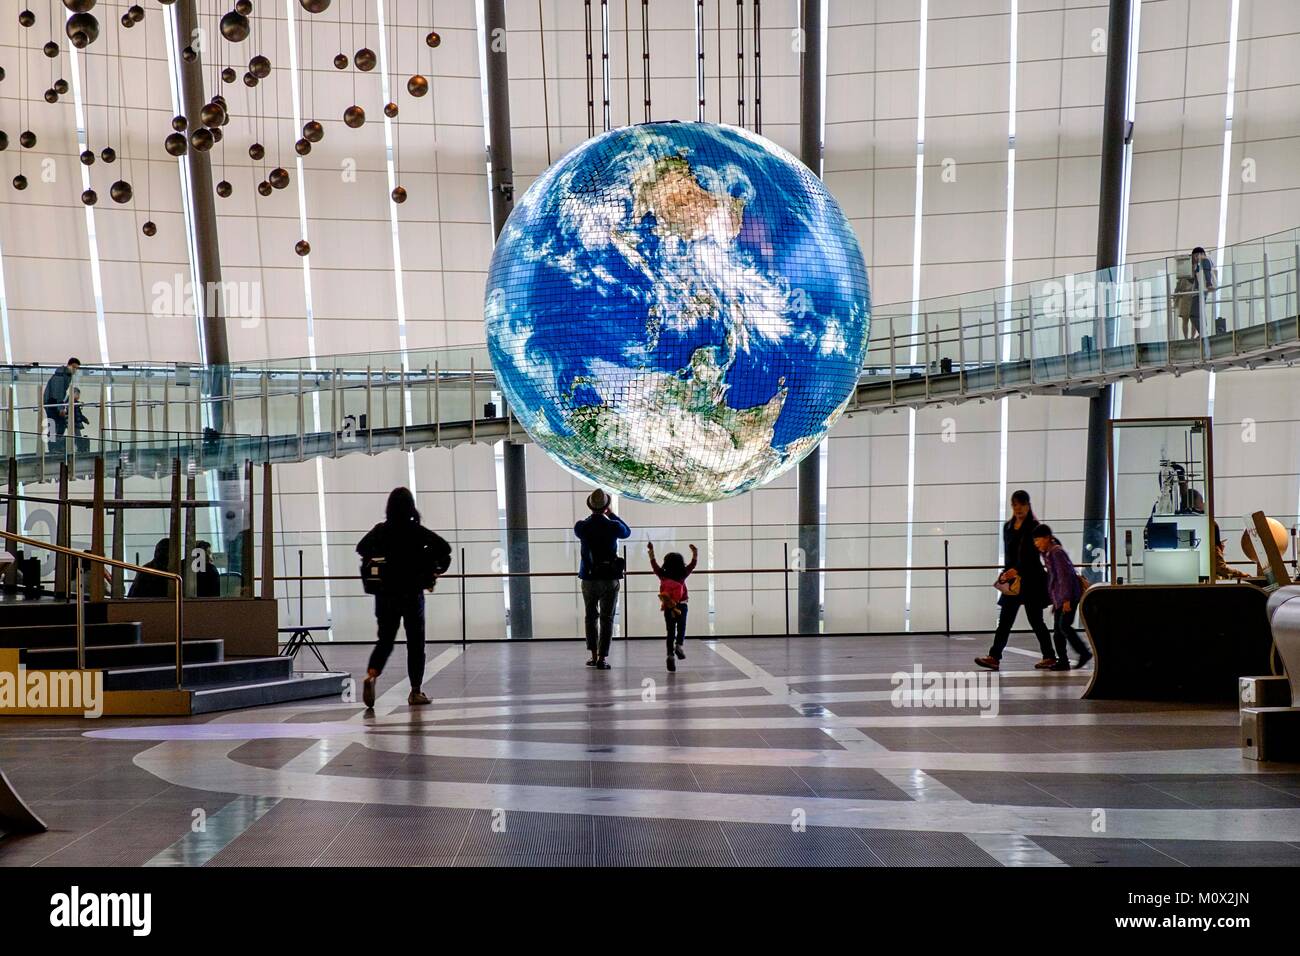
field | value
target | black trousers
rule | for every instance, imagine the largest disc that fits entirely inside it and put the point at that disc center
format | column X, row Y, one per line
column 676, row 625
column 1008, row 617
column 390, row 611
column 1063, row 631
column 600, row 601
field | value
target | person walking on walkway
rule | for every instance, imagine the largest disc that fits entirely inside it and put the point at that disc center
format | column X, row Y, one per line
column 600, row 571
column 1022, row 583
column 400, row 560
column 55, row 399
column 1065, row 589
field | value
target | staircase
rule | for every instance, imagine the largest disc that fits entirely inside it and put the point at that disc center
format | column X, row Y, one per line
column 43, row 632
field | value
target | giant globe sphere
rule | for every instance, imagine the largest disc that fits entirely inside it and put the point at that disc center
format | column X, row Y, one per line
column 677, row 311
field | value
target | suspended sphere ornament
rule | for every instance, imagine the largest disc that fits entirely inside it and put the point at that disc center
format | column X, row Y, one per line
column 433, row 39
column 20, row 181
column 135, row 12
column 260, row 67
column 176, row 144
column 417, row 85
column 340, row 61
column 256, row 151
column 4, row 141
column 314, row 6
column 61, row 87
column 399, row 195
column 234, row 27
column 250, row 80
column 27, row 139
column 82, row 29
column 390, row 110
column 87, row 157
column 51, row 96
column 79, row 6
column 264, row 188
column 244, row 6
column 201, row 139
column 89, row 197
column 312, row 131
column 279, row 177
column 51, row 49
column 354, row 116
column 120, row 191
column 224, row 189
column 217, row 135
column 302, row 147
column 127, row 22
column 228, row 75
column 212, row 114
column 108, row 154
column 188, row 54
column 149, row 229
column 302, row 247
column 26, row 19
column 365, row 59
column 179, row 123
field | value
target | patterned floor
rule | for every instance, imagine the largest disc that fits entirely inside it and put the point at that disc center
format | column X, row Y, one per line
column 757, row 752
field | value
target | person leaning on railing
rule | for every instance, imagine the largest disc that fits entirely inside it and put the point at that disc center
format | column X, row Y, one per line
column 55, row 396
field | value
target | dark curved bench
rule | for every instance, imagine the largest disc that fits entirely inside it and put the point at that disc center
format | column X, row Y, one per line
column 15, row 815
column 1175, row 641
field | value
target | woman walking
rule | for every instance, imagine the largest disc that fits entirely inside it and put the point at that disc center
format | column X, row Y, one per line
column 1023, row 583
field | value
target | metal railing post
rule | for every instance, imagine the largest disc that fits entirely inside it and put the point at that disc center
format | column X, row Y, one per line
column 370, row 413
column 961, row 353
column 893, row 365
column 81, row 617
column 302, row 419
column 473, row 404
column 925, row 339
column 1268, row 302
column 437, row 406
column 266, row 402
column 401, row 407
column 383, row 394
column 947, row 597
column 334, row 413
column 1236, row 320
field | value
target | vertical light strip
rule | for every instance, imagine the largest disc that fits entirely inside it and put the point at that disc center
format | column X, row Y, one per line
column 13, row 389
column 824, row 449
column 1130, row 117
column 1008, row 258
column 394, row 224
column 187, row 198
column 916, row 302
column 92, row 240
column 1230, row 96
column 295, row 86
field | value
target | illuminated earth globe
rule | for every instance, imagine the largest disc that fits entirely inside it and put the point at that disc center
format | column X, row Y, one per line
column 677, row 311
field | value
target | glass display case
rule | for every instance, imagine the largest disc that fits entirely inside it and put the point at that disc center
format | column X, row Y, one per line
column 1161, row 500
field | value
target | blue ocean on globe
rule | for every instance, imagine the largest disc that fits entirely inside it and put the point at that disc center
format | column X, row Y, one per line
column 677, row 311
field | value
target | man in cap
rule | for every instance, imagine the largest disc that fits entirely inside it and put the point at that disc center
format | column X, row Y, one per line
column 600, row 572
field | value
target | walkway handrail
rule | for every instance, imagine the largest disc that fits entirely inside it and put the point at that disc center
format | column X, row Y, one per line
column 100, row 559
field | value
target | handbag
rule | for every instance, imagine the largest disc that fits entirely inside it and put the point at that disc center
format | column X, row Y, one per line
column 1009, row 588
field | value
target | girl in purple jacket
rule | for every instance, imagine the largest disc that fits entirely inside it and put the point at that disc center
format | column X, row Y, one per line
column 1064, row 588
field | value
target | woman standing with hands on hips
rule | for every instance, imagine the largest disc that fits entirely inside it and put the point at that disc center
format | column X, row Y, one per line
column 1022, row 583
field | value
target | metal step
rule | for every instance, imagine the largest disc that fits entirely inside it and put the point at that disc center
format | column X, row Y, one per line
column 236, row 671
column 260, row 694
column 40, row 612
column 65, row 635
column 124, row 655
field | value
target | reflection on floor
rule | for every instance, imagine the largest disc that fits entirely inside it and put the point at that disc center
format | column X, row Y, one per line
column 755, row 752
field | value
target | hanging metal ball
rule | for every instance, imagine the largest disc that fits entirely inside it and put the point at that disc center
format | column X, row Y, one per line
column 390, row 110
column 149, row 229
column 264, row 188
column 87, row 157
column 399, row 194
column 27, row 139
column 221, row 101
column 108, row 154
column 120, row 191
column 260, row 67
column 127, row 22
column 279, row 177
column 135, row 12
column 250, row 80
column 79, row 6
column 312, row 131
column 26, row 19
column 188, row 54
column 201, row 139
column 224, row 189
column 82, row 29
column 244, row 6
column 61, row 87
column 2, row 73
column 89, row 197
column 228, row 75
column 217, row 135
column 340, row 61
column 256, row 151
column 302, row 247
column 417, row 85
column 176, row 144
column 51, row 96
column 365, row 59
column 51, row 49
column 4, row 141
column 20, row 181
column 354, row 116
column 179, row 123
column 302, row 147
column 234, row 27
column 212, row 114
column 314, row 6
column 433, row 39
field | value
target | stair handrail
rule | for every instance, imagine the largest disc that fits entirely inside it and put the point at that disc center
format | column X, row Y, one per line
column 112, row 562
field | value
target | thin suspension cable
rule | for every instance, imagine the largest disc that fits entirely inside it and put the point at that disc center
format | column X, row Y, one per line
column 699, row 58
column 627, row 61
column 546, row 99
column 591, row 89
column 740, row 61
column 604, row 59
column 758, row 69
column 645, row 55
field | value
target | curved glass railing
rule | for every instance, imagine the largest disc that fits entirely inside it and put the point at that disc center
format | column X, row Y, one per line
column 1077, row 328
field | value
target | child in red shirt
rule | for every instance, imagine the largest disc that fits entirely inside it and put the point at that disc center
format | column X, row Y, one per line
column 673, row 596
